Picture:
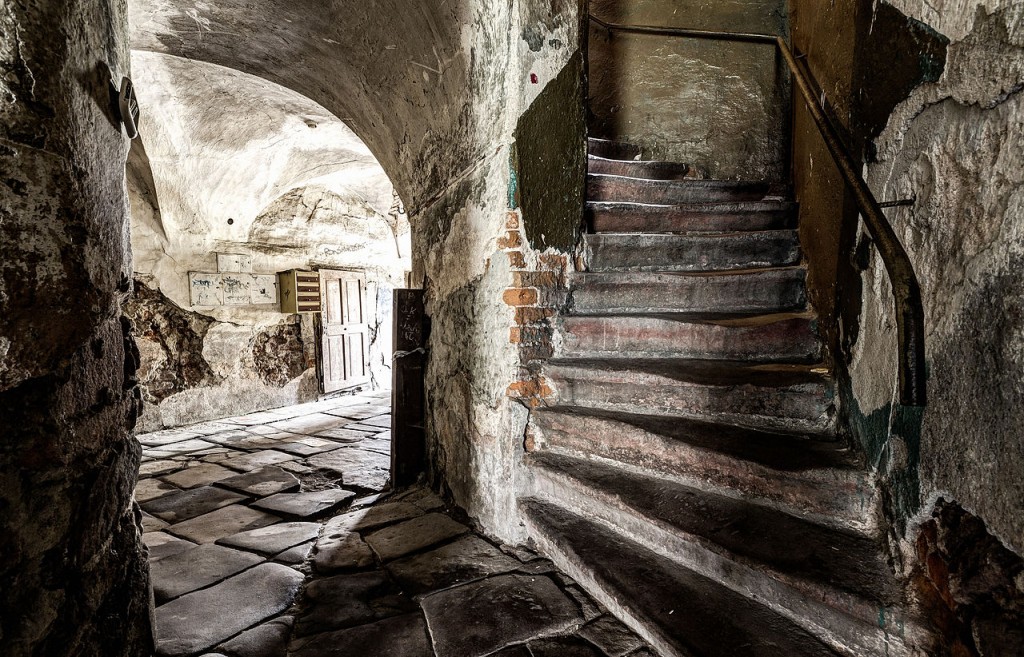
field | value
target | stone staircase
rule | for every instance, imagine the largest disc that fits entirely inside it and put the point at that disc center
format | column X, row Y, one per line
column 688, row 469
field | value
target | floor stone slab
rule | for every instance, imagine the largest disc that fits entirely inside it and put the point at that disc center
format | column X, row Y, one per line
column 309, row 424
column 257, row 460
column 346, row 600
column 166, row 437
column 199, row 475
column 200, row 620
column 356, row 467
column 223, row 522
column 295, row 555
column 465, row 560
column 273, row 539
column 186, row 446
column 379, row 421
column 372, row 517
column 190, row 503
column 151, row 524
column 399, row 636
column 344, row 435
column 312, row 504
column 610, row 635
column 197, row 568
column 359, row 426
column 162, row 544
column 151, row 489
column 267, row 640
column 156, row 468
column 566, row 646
column 412, row 535
column 480, row 618
column 347, row 552
column 269, row 480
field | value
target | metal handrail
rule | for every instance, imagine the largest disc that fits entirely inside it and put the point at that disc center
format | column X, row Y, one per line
column 905, row 287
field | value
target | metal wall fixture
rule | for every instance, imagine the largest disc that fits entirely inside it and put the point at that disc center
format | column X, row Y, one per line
column 905, row 287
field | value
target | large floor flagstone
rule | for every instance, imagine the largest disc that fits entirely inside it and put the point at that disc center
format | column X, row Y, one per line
column 198, row 621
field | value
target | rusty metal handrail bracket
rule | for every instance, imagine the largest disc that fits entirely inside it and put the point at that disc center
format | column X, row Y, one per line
column 905, row 287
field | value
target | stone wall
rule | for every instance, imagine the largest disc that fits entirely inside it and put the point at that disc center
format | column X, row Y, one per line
column 945, row 131
column 73, row 578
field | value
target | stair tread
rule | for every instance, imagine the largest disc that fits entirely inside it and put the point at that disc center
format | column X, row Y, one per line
column 753, row 318
column 758, row 535
column 638, row 275
column 705, row 372
column 796, row 451
column 690, row 613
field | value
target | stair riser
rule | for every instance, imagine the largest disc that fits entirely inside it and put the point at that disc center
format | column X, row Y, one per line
column 793, row 408
column 767, row 291
column 640, row 190
column 613, row 150
column 648, row 219
column 788, row 341
column 834, row 495
column 640, row 169
column 751, row 250
column 845, row 622
column 570, row 564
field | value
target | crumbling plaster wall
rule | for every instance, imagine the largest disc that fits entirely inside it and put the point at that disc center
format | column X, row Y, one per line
column 232, row 163
column 958, row 146
column 73, row 577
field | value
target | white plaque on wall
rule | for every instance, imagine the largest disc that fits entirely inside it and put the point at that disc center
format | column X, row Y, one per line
column 264, row 289
column 205, row 289
column 234, row 263
column 237, row 289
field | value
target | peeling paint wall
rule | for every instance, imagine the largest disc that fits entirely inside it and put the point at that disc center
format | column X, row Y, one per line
column 954, row 141
column 73, row 576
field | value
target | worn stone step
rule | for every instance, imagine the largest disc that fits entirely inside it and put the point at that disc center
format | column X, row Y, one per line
column 650, row 169
column 679, row 611
column 833, row 582
column 783, row 397
column 611, row 149
column 804, row 473
column 780, row 289
column 693, row 252
column 608, row 217
column 763, row 338
column 672, row 192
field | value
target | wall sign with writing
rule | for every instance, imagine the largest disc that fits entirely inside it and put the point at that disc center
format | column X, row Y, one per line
column 232, row 289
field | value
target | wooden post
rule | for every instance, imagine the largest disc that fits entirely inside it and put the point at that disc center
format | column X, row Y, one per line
column 408, row 439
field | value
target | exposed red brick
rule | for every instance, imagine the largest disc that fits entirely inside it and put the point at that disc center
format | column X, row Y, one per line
column 553, row 261
column 512, row 221
column 512, row 240
column 533, row 315
column 516, row 259
column 530, row 334
column 520, row 296
column 532, row 388
column 535, row 351
column 535, row 279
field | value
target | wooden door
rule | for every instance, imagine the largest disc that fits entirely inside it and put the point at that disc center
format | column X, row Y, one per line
column 345, row 340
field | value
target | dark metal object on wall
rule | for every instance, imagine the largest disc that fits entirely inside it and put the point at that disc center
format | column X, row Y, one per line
column 408, row 439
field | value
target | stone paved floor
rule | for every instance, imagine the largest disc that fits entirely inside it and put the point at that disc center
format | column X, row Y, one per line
column 275, row 534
